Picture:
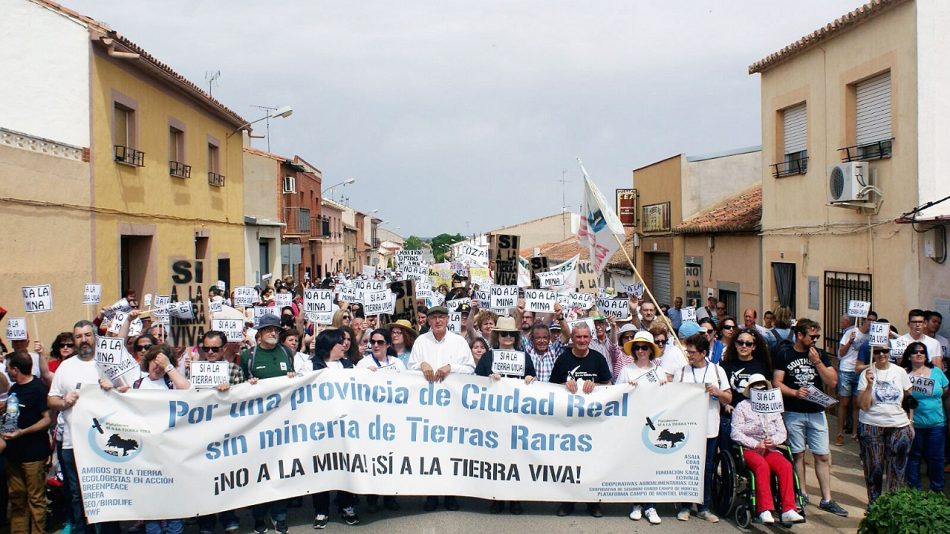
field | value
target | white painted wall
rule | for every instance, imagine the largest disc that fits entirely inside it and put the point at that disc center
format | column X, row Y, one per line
column 709, row 181
column 933, row 105
column 44, row 65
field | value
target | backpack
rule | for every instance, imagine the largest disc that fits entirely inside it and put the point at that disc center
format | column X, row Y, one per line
column 779, row 343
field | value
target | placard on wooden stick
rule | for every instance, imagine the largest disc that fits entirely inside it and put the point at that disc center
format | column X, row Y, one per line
column 504, row 254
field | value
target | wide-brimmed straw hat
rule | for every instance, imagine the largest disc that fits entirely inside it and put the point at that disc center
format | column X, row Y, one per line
column 642, row 337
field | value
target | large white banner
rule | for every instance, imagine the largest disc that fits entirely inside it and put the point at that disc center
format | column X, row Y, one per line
column 388, row 433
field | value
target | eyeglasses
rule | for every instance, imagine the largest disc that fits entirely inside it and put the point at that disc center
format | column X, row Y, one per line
column 710, row 331
column 212, row 349
column 140, row 348
column 642, row 347
column 542, row 338
column 377, row 342
column 881, row 351
column 692, row 352
column 815, row 337
column 67, row 345
column 660, row 342
column 745, row 343
column 919, row 352
column 506, row 334
column 728, row 327
column 627, row 337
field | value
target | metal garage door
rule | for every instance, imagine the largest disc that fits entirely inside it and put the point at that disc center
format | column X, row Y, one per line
column 660, row 280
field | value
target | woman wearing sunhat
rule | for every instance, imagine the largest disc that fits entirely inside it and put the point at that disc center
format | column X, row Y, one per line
column 504, row 336
column 761, row 434
column 403, row 336
column 642, row 371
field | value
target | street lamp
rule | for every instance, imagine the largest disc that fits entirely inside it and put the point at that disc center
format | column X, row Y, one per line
column 272, row 113
column 346, row 182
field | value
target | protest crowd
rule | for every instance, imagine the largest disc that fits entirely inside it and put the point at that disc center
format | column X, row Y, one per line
column 890, row 386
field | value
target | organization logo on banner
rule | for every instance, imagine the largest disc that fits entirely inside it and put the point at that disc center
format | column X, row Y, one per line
column 115, row 442
column 665, row 436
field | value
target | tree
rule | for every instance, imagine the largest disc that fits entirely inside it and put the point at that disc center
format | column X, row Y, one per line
column 442, row 243
column 412, row 243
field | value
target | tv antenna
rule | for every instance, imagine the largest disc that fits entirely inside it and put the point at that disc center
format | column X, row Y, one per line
column 211, row 76
column 564, row 181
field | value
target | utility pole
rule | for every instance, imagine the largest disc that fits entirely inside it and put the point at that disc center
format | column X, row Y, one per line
column 563, row 181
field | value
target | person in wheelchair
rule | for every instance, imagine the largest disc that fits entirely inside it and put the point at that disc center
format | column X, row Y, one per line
column 759, row 436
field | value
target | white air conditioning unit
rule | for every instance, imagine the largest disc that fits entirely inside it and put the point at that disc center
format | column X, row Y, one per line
column 290, row 184
column 848, row 182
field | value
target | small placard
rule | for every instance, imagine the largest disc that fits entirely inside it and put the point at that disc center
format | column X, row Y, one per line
column 37, row 299
column 550, row 278
column 689, row 314
column 92, row 294
column 147, row 301
column 766, row 400
column 922, row 385
column 819, row 397
column 283, row 299
column 16, row 329
column 582, row 300
column 858, row 308
column 879, row 334
column 182, row 310
column 244, row 296
column 539, row 300
column 508, row 362
column 114, row 361
column 261, row 311
column 616, row 308
column 205, row 375
column 162, row 301
column 115, row 324
column 379, row 302
column 455, row 322
column 454, row 304
column 503, row 297
column 233, row 328
column 216, row 306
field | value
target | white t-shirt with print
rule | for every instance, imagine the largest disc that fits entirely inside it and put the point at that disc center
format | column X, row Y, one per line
column 850, row 358
column 711, row 374
column 887, row 393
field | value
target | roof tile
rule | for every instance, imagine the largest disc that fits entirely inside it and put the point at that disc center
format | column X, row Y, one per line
column 739, row 213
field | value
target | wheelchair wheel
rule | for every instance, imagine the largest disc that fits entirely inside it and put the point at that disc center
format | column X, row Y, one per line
column 743, row 516
column 725, row 483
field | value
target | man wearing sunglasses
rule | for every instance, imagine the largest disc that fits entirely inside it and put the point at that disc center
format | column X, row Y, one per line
column 213, row 349
column 799, row 368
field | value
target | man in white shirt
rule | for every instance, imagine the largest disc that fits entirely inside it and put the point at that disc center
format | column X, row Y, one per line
column 915, row 332
column 439, row 352
column 74, row 373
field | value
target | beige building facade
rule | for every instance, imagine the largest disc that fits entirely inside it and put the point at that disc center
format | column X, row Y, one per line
column 854, row 138
column 672, row 190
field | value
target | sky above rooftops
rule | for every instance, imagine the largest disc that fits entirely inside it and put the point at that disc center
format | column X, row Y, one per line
column 462, row 116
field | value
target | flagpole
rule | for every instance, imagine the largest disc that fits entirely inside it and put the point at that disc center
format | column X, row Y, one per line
column 669, row 325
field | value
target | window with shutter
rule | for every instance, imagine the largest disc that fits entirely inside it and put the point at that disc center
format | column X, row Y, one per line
column 795, row 141
column 873, row 111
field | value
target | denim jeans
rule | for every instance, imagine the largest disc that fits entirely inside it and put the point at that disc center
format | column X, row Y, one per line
column 67, row 496
column 74, row 495
column 929, row 445
column 172, row 526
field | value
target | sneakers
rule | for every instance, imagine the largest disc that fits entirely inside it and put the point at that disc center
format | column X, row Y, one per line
column 652, row 516
column 565, row 509
column 431, row 504
column 792, row 516
column 515, row 508
column 229, row 529
column 766, row 517
column 832, row 507
column 683, row 514
column 320, row 522
column 594, row 510
column 280, row 525
column 496, row 507
column 839, row 440
column 260, row 526
column 349, row 516
column 706, row 515
column 636, row 513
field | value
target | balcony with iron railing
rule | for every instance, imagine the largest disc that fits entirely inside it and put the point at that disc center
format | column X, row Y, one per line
column 129, row 156
column 215, row 179
column 179, row 169
column 790, row 167
column 882, row 149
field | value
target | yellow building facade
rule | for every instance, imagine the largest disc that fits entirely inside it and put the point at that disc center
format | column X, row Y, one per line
column 168, row 178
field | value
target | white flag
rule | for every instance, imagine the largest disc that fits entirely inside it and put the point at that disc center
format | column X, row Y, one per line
column 597, row 223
